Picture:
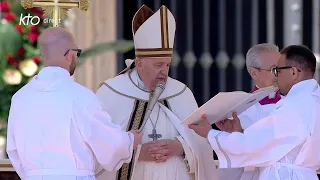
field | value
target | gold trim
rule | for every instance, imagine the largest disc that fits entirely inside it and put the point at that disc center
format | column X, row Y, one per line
column 136, row 98
column 135, row 125
column 154, row 49
column 164, row 27
column 134, row 105
column 131, row 97
column 182, row 91
column 154, row 53
column 154, row 56
column 186, row 163
column 6, row 166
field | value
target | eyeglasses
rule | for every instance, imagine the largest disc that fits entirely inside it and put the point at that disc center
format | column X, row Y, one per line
column 262, row 69
column 276, row 70
column 78, row 51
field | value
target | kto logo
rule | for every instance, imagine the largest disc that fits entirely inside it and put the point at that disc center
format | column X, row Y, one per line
column 26, row 20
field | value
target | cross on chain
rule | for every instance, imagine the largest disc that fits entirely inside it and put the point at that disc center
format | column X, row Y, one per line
column 154, row 136
column 56, row 9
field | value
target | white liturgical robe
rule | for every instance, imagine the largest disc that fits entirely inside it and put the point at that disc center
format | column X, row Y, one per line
column 248, row 118
column 175, row 103
column 56, row 129
column 284, row 145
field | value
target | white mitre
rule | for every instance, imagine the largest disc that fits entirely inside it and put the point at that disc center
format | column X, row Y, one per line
column 153, row 34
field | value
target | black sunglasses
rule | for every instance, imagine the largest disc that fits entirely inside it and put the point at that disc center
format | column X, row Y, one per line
column 78, row 51
column 275, row 70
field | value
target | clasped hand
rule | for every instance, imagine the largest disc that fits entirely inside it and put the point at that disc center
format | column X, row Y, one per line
column 160, row 150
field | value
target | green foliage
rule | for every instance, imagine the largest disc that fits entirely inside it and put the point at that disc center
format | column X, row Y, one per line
column 117, row 46
column 10, row 43
column 19, row 43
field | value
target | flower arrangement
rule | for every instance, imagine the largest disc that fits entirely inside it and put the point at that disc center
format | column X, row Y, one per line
column 19, row 53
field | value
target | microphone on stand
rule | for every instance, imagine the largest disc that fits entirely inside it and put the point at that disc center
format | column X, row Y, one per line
column 152, row 102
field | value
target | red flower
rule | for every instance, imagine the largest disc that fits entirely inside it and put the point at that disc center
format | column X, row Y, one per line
column 33, row 37
column 36, row 11
column 4, row 6
column 16, row 63
column 36, row 59
column 33, row 28
column 21, row 52
column 9, row 16
column 10, row 59
column 19, row 28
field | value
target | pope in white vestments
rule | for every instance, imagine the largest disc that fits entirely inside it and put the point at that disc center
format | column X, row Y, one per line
column 56, row 127
column 284, row 145
column 169, row 150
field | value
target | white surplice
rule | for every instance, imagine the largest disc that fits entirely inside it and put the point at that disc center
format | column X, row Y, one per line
column 57, row 128
column 248, row 118
column 127, row 93
column 284, row 145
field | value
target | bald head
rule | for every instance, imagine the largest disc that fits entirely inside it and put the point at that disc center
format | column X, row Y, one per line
column 54, row 42
column 58, row 47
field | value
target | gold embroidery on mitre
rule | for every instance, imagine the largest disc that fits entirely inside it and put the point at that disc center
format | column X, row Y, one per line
column 154, row 52
column 164, row 27
column 164, row 50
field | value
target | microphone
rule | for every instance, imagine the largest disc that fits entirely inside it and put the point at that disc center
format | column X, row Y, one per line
column 152, row 102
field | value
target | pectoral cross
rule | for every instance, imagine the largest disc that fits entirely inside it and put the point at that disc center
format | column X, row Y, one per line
column 154, row 136
column 56, row 9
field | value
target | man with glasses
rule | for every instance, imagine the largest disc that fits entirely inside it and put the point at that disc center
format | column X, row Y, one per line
column 260, row 59
column 285, row 144
column 57, row 127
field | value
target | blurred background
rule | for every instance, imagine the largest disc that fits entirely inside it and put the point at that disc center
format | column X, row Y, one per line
column 212, row 38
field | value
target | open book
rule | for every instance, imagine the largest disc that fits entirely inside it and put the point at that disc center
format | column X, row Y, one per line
column 222, row 105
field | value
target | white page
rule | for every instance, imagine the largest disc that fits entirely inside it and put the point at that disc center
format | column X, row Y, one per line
column 224, row 104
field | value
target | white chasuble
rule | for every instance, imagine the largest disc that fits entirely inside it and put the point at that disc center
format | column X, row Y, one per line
column 284, row 145
column 127, row 104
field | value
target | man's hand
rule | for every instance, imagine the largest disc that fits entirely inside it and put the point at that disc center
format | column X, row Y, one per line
column 203, row 128
column 162, row 150
column 137, row 138
column 230, row 125
column 145, row 152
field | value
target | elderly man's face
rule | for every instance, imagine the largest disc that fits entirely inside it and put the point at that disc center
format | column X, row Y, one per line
column 152, row 70
column 263, row 76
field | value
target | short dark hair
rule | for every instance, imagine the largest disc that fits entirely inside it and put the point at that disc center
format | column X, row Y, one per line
column 302, row 56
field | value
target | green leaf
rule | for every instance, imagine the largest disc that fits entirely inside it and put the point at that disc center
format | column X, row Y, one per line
column 117, row 46
column 10, row 39
column 30, row 50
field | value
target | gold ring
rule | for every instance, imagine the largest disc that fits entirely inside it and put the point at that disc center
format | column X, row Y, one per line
column 156, row 158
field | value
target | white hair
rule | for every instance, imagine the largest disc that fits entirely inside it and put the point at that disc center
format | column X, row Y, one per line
column 253, row 55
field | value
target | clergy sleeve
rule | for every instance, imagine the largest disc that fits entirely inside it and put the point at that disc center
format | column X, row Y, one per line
column 11, row 145
column 262, row 144
column 111, row 146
